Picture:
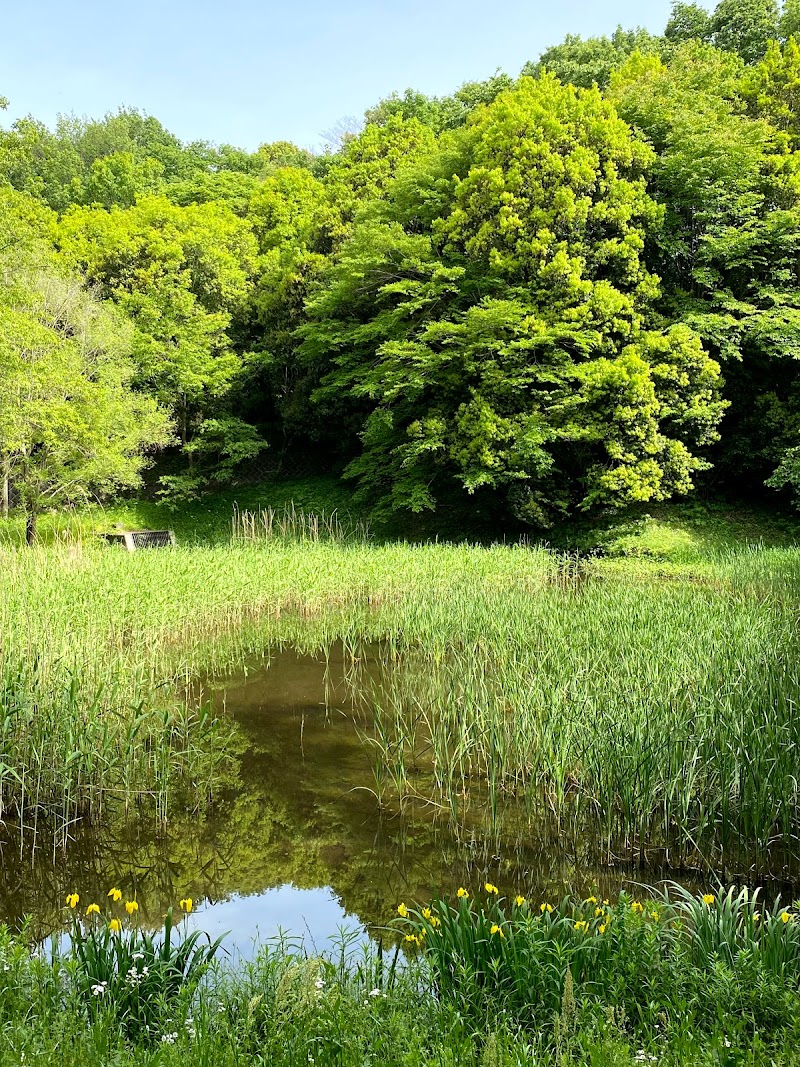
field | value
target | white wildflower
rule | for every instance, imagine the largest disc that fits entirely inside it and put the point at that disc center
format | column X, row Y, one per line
column 169, row 1039
column 99, row 989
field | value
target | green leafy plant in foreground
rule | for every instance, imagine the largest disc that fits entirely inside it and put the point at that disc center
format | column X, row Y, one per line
column 135, row 976
column 657, row 961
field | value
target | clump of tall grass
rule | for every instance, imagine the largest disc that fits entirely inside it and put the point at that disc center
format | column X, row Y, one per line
column 655, row 721
column 71, row 746
column 296, row 524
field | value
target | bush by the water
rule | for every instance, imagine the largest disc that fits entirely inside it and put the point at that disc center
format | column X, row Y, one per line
column 657, row 961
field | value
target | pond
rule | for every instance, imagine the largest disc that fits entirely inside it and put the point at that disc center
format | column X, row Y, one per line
column 299, row 843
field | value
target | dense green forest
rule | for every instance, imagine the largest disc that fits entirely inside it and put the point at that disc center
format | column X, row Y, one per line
column 565, row 291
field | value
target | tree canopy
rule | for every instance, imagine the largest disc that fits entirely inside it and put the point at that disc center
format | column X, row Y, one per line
column 568, row 290
column 509, row 340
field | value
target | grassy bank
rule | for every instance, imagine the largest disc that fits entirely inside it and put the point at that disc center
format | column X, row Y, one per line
column 682, row 981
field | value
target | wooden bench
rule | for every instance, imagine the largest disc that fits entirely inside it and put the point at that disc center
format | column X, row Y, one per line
column 133, row 539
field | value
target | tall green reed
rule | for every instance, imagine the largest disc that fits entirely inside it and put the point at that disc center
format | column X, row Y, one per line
column 657, row 719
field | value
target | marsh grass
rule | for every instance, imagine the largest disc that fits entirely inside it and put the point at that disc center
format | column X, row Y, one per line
column 655, row 720
column 101, row 652
column 658, row 721
column 292, row 523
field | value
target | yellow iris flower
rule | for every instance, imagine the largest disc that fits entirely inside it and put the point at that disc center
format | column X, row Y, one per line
column 115, row 894
column 131, row 906
column 93, row 909
column 187, row 904
column 72, row 900
column 115, row 925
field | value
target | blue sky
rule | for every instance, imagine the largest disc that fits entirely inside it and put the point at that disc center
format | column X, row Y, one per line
column 244, row 72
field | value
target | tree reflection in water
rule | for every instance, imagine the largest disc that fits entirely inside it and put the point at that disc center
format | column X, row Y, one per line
column 297, row 841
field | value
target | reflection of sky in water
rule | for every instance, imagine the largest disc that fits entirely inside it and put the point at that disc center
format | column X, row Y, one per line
column 315, row 915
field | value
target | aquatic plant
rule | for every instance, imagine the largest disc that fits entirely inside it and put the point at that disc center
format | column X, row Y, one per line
column 343, row 1006
column 134, row 975
column 647, row 956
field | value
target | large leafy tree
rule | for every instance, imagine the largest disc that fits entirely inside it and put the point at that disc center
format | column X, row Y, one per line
column 789, row 25
column 114, row 161
column 688, row 22
column 368, row 162
column 71, row 426
column 492, row 326
column 300, row 222
column 590, row 61
column 728, row 251
column 296, row 226
column 181, row 274
column 440, row 113
column 745, row 27
column 772, row 88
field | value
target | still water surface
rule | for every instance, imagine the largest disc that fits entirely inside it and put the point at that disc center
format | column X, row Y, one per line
column 298, row 844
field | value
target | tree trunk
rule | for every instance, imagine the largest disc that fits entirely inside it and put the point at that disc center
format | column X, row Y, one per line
column 30, row 528
column 5, row 494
